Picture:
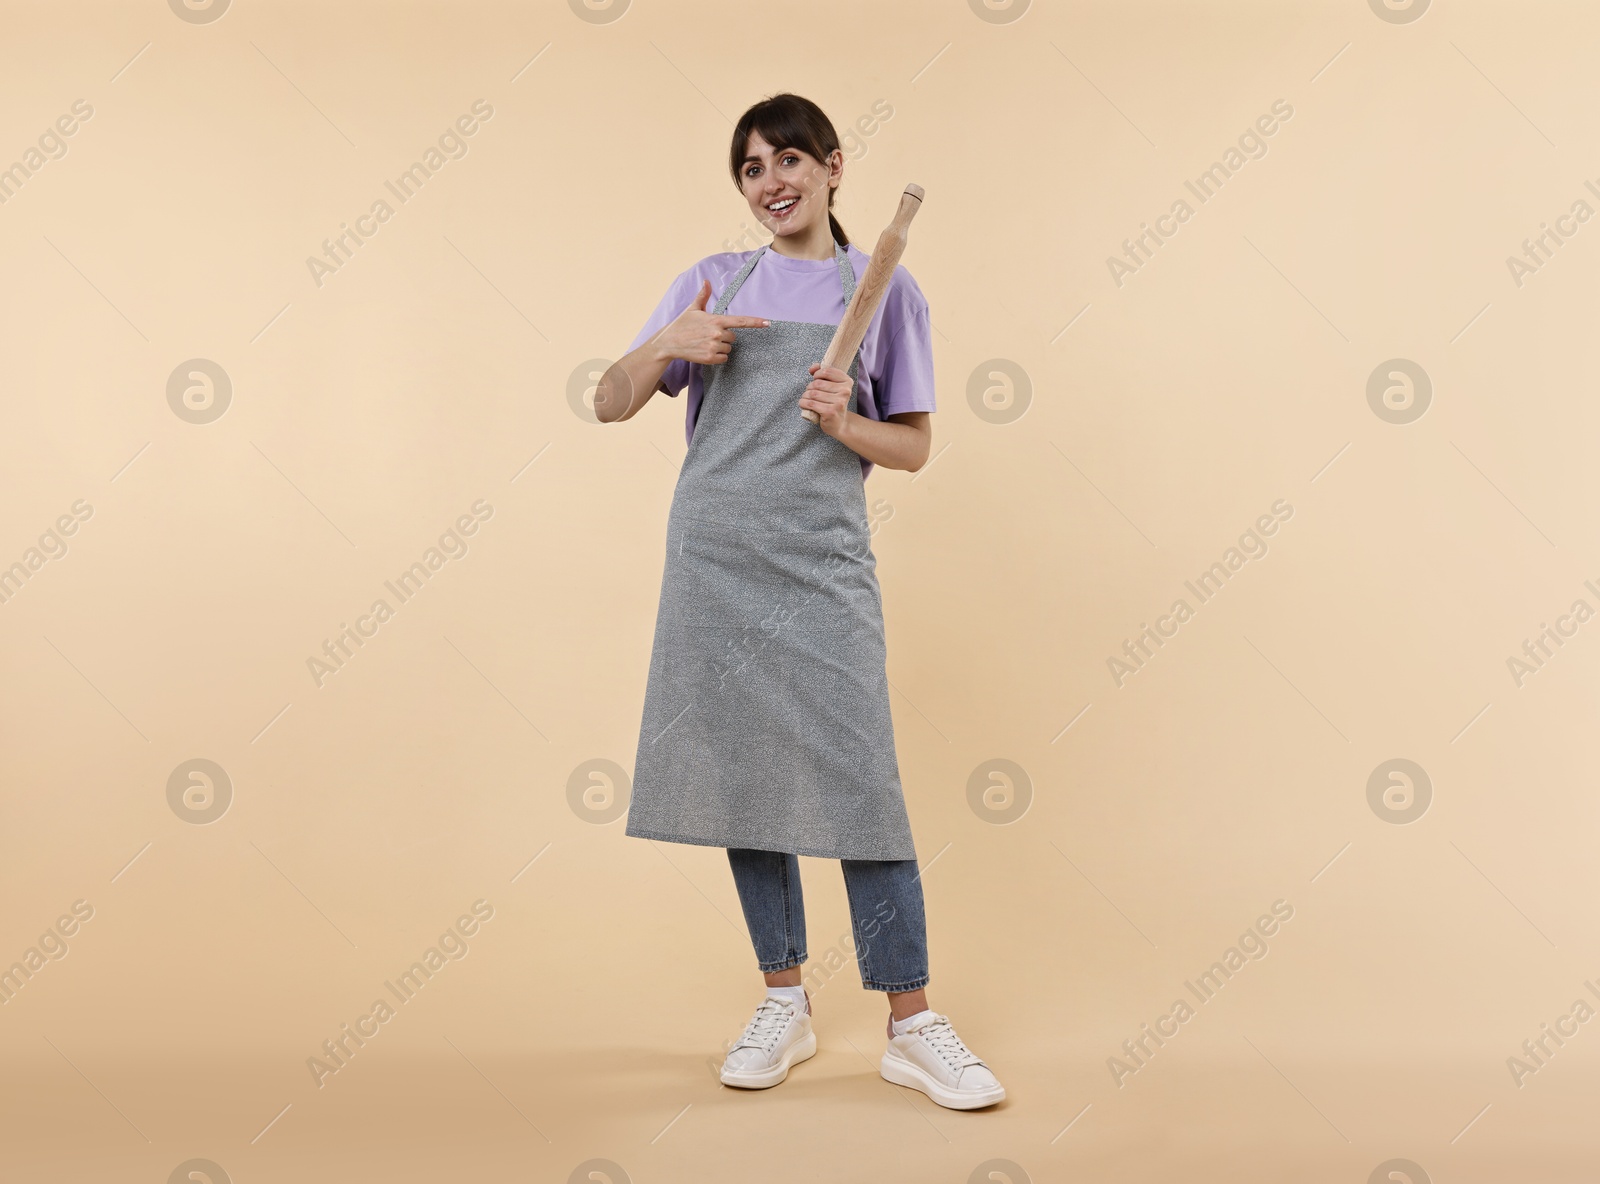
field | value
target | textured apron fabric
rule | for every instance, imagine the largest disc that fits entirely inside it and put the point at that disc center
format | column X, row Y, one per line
column 766, row 716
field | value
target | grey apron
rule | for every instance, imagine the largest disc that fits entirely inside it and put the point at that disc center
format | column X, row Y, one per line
column 766, row 715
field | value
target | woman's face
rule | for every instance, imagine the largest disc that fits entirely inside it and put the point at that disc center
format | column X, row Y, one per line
column 788, row 179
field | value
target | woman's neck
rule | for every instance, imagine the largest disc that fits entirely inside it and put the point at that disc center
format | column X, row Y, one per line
column 815, row 242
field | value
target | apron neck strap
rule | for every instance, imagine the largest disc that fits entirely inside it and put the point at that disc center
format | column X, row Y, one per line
column 847, row 277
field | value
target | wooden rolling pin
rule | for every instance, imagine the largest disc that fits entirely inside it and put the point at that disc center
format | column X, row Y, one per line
column 885, row 258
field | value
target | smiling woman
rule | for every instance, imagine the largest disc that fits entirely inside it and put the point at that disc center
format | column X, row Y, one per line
column 784, row 155
column 787, row 162
column 766, row 726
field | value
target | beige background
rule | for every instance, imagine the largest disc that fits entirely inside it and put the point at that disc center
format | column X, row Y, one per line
column 1158, row 420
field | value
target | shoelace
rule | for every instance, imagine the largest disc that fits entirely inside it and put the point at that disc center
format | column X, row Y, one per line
column 938, row 1033
column 764, row 1027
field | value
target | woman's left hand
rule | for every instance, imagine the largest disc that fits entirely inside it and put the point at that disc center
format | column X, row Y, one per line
column 829, row 396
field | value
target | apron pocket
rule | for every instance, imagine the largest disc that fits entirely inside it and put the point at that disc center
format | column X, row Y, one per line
column 770, row 581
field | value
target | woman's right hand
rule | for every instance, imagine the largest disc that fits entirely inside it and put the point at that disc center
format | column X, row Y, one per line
column 700, row 336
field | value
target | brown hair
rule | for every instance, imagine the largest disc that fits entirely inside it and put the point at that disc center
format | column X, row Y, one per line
column 788, row 121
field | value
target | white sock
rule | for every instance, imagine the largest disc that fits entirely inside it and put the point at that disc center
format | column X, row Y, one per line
column 901, row 1027
column 796, row 995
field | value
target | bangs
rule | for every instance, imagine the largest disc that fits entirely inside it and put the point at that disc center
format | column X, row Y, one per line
column 780, row 125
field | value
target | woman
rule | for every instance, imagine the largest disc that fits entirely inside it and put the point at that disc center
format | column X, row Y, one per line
column 766, row 725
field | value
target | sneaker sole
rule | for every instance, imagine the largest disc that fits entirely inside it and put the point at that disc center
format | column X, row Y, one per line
column 801, row 1050
column 897, row 1069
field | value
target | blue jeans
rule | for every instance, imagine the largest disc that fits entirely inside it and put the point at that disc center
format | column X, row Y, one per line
column 891, row 935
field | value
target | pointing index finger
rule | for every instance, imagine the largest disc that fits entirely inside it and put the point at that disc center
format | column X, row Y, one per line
column 728, row 322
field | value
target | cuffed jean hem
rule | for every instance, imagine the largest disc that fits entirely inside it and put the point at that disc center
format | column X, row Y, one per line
column 781, row 964
column 915, row 984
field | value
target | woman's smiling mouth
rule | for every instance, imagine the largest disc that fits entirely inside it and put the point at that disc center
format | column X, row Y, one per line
column 782, row 208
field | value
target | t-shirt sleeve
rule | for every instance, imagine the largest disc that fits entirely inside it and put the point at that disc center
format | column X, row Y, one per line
column 906, row 380
column 676, row 375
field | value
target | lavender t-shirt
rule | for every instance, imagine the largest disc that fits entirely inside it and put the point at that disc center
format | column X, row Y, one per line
column 896, row 367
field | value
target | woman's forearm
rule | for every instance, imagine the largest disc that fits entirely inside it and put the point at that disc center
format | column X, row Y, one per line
column 629, row 382
column 886, row 443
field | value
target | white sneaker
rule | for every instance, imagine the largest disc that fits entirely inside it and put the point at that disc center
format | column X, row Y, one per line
column 777, row 1036
column 932, row 1058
